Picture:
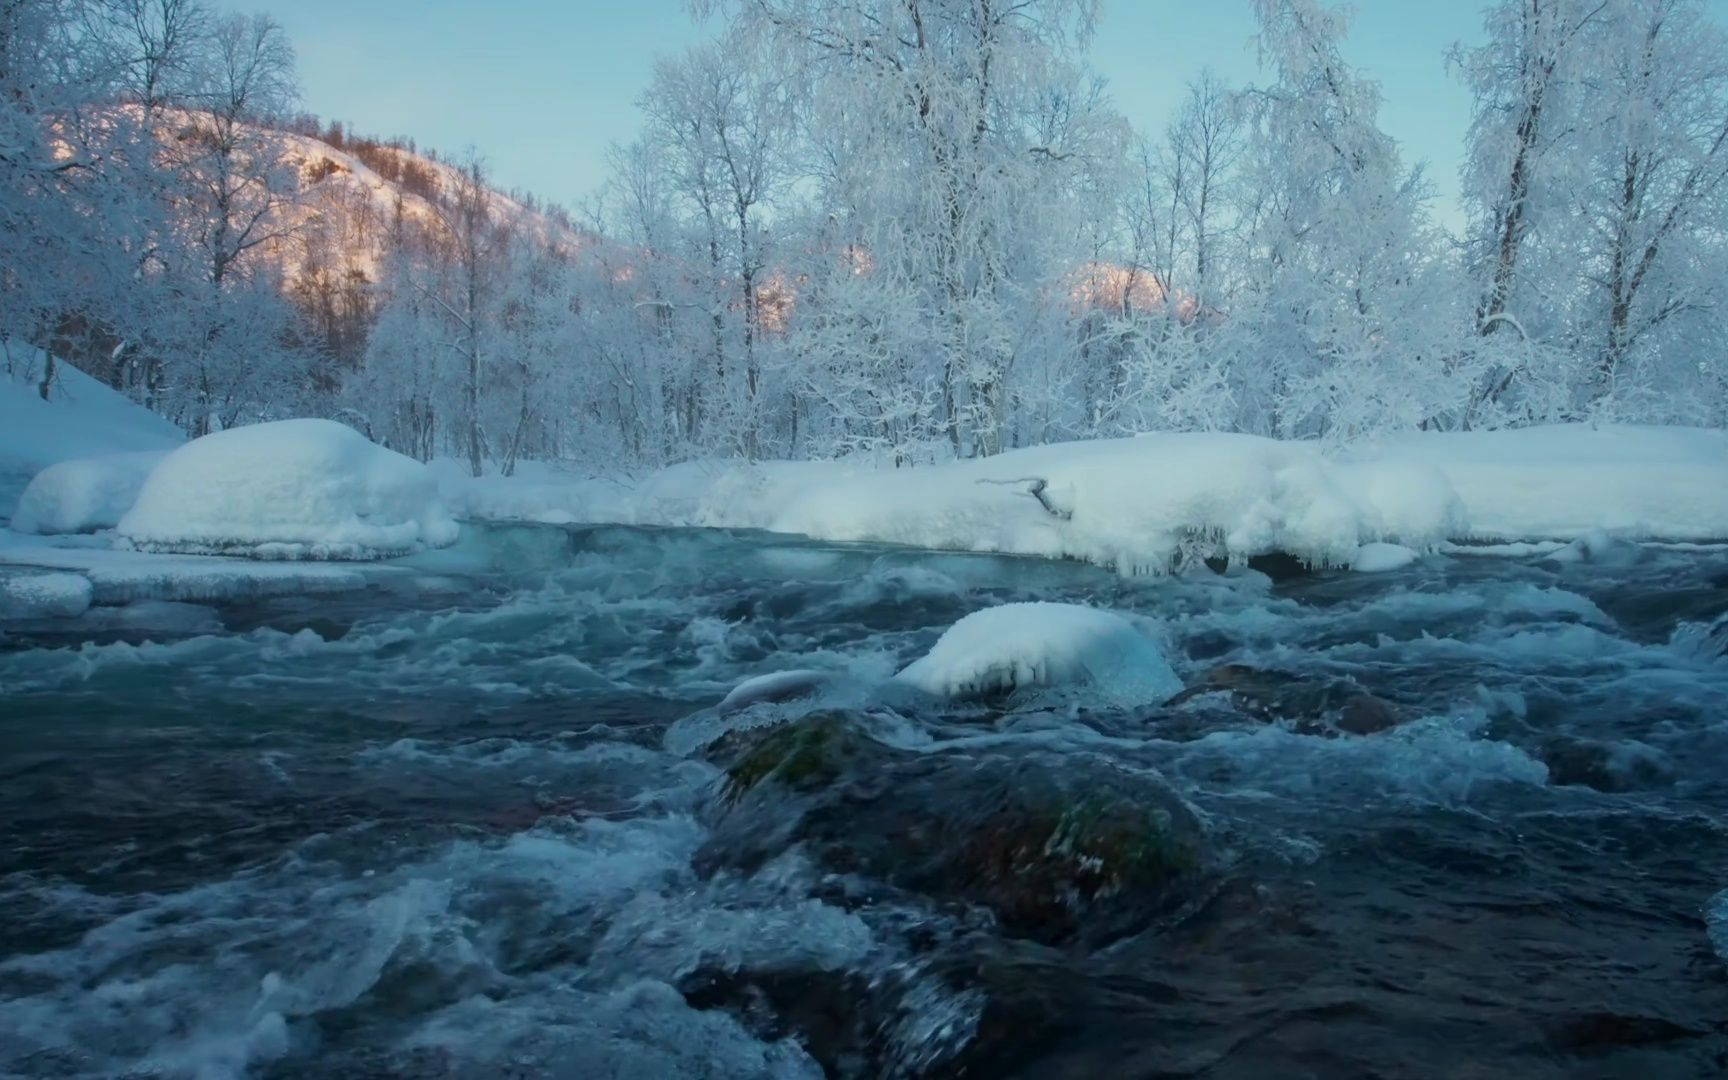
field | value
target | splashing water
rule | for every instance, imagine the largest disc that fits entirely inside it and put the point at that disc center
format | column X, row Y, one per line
column 1465, row 814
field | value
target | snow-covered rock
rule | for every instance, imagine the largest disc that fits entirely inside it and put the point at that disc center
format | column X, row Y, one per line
column 1022, row 646
column 1378, row 558
column 294, row 489
column 84, row 494
column 775, row 687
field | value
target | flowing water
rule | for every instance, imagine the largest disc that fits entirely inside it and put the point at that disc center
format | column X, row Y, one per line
column 441, row 834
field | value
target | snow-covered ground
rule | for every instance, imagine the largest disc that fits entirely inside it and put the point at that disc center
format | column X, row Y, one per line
column 1146, row 504
column 1564, row 481
column 85, row 459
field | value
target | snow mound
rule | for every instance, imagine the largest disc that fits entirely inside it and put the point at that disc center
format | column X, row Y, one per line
column 1020, row 646
column 84, row 494
column 293, row 489
column 82, row 418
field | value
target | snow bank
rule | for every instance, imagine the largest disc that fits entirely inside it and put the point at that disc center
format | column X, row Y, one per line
column 1157, row 502
column 84, row 494
column 1564, row 481
column 1019, row 646
column 1146, row 504
column 82, row 418
column 294, row 489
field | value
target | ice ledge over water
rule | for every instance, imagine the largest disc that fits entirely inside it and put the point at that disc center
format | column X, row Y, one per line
column 1153, row 503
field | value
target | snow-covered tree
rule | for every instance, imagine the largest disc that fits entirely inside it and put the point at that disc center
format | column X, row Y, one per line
column 949, row 135
column 1598, row 163
column 1347, row 321
column 722, row 125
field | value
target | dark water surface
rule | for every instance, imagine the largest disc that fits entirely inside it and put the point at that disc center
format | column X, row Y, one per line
column 440, row 835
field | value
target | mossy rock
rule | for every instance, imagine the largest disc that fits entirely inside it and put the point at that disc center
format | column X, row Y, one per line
column 1316, row 706
column 1060, row 848
column 803, row 755
column 1058, row 861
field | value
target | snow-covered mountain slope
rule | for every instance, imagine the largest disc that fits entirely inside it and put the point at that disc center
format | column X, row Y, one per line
column 347, row 209
column 83, row 418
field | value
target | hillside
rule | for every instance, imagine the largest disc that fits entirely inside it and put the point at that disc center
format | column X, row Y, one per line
column 347, row 205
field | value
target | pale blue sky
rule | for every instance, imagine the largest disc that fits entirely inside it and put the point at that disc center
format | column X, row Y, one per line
column 542, row 87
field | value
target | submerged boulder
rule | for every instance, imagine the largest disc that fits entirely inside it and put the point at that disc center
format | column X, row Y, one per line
column 1059, row 848
column 1317, row 706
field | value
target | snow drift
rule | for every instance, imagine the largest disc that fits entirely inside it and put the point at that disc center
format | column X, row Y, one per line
column 1025, row 646
column 83, row 418
column 84, row 494
column 294, row 489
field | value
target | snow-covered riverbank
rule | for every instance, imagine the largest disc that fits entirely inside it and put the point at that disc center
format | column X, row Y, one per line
column 1150, row 504
column 1142, row 504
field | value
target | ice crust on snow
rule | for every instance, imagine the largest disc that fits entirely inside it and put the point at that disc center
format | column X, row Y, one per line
column 43, row 596
column 1032, row 645
column 293, row 489
column 84, row 494
column 124, row 577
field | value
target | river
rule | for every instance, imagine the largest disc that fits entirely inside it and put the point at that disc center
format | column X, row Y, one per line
column 438, row 832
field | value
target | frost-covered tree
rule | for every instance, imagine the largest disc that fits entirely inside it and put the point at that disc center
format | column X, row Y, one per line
column 949, row 136
column 1596, row 189
column 1656, row 187
column 1347, row 321
column 1204, row 147
column 722, row 124
column 229, row 195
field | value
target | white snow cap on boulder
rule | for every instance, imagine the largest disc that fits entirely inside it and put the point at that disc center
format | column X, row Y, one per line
column 293, row 489
column 84, row 494
column 1020, row 646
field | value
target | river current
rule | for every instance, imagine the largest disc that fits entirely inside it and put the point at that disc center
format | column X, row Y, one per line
column 490, row 827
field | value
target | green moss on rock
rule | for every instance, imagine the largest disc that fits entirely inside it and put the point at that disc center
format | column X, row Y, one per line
column 802, row 755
